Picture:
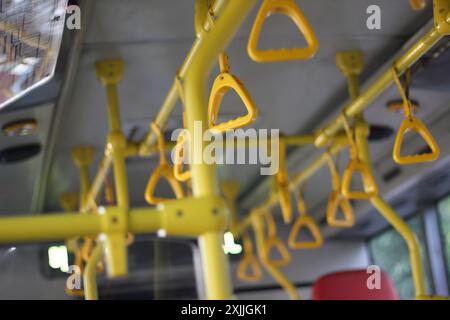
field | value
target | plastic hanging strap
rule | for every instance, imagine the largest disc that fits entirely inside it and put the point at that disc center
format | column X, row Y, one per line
column 282, row 180
column 223, row 83
column 292, row 10
column 163, row 170
column 356, row 165
column 336, row 200
column 273, row 242
column 412, row 123
column 304, row 221
column 181, row 147
column 249, row 268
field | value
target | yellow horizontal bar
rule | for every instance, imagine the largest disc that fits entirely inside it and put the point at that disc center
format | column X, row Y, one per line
column 46, row 227
column 60, row 226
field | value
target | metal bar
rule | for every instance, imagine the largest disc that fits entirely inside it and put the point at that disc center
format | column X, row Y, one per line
column 90, row 274
column 48, row 227
column 61, row 226
column 362, row 131
column 204, row 181
column 113, row 108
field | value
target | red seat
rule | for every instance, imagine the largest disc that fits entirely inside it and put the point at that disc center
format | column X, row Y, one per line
column 352, row 285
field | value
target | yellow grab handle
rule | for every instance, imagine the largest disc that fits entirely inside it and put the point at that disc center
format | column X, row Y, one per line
column 282, row 180
column 180, row 148
column 162, row 171
column 337, row 200
column 305, row 221
column 249, row 262
column 369, row 184
column 290, row 9
column 413, row 123
column 222, row 84
column 272, row 243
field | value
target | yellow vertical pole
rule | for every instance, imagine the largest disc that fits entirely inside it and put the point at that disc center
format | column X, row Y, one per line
column 110, row 73
column 82, row 157
column 393, row 218
column 351, row 64
column 204, row 181
column 90, row 274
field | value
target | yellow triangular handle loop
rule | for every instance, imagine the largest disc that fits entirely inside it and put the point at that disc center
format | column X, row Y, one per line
column 273, row 242
column 282, row 183
column 164, row 170
column 369, row 184
column 290, row 9
column 337, row 200
column 307, row 222
column 304, row 221
column 224, row 82
column 413, row 123
column 249, row 268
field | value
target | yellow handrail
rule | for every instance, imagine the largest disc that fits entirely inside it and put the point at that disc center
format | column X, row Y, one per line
column 90, row 274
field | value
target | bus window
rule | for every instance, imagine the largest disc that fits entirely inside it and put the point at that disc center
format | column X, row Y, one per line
column 388, row 250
